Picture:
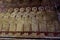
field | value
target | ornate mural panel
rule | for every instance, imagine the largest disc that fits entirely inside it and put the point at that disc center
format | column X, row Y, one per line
column 29, row 18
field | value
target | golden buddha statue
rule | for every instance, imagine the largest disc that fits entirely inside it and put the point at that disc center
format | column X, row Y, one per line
column 13, row 24
column 20, row 20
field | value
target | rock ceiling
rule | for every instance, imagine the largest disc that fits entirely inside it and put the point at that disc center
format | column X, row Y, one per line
column 24, row 3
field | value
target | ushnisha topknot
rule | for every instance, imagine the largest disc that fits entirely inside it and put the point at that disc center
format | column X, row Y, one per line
column 34, row 9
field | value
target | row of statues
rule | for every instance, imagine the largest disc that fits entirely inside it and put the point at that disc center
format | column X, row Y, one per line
column 29, row 19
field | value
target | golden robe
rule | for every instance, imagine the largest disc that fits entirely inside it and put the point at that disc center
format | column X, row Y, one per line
column 27, row 21
column 42, row 21
column 6, row 22
column 1, row 21
column 20, row 21
column 34, row 22
column 12, row 22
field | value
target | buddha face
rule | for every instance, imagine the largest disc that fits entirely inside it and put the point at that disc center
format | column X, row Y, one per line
column 10, row 10
column 5, row 10
column 34, row 9
column 41, row 8
column 16, row 9
column 28, row 9
column 47, row 8
column 22, row 9
column 52, row 8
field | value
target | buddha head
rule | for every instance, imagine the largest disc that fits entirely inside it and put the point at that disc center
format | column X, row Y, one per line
column 47, row 8
column 16, row 9
column 5, row 10
column 40, row 8
column 10, row 10
column 22, row 9
column 34, row 9
column 28, row 9
column 52, row 8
